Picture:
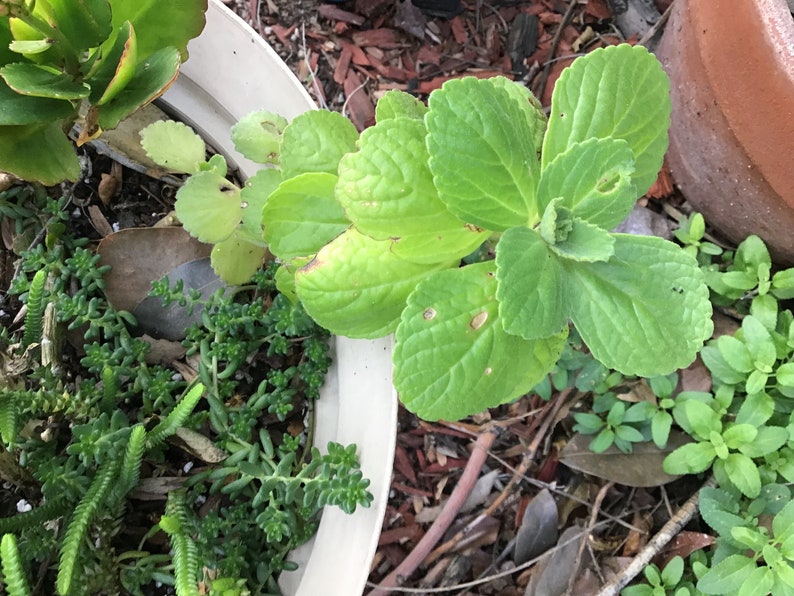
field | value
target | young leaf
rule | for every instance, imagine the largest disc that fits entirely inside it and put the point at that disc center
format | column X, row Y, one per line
column 593, row 179
column 646, row 311
column 619, row 92
column 453, row 358
column 481, row 154
column 399, row 104
column 759, row 342
column 737, row 435
column 357, row 287
column 743, row 473
column 115, row 66
column 387, row 191
column 258, row 136
column 727, row 576
column 315, row 141
column 768, row 440
column 86, row 24
column 208, row 206
column 735, row 353
column 691, row 458
column 302, row 215
column 573, row 238
column 531, row 300
column 173, row 145
column 719, row 367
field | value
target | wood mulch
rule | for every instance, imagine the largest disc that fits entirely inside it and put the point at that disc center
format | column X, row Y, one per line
column 349, row 54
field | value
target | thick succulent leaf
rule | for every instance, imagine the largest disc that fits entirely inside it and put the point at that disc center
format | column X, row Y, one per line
column 38, row 152
column 315, row 141
column 235, row 260
column 357, row 287
column 619, row 92
column 254, row 195
column 160, row 24
column 535, row 117
column 530, row 290
column 302, row 215
column 644, row 312
column 452, row 356
column 6, row 55
column 481, row 153
column 152, row 77
column 387, row 192
column 115, row 67
column 174, row 146
column 85, row 23
column 399, row 104
column 208, row 206
column 573, row 238
column 258, row 136
column 24, row 109
column 43, row 81
column 592, row 179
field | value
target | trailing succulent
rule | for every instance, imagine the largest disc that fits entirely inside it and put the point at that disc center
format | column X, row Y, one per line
column 396, row 230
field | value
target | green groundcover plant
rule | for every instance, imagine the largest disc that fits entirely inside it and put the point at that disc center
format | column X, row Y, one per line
column 98, row 59
column 474, row 228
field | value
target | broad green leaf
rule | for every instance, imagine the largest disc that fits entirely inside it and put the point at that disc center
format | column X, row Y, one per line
column 301, row 215
column 727, row 576
column 628, row 433
column 530, row 290
column 399, row 104
column 208, row 206
column 536, row 118
column 38, row 152
column 235, row 260
column 759, row 342
column 31, row 47
column 6, row 54
column 16, row 109
column 765, row 309
column 768, row 440
column 173, row 145
column 719, row 510
column 758, row 583
column 115, row 67
column 453, row 358
column 357, row 287
column 735, row 353
column 619, row 92
column 481, row 154
column 714, row 360
column 691, row 458
column 254, row 195
column 783, row 284
column 315, row 141
column 84, row 23
column 644, row 312
column 743, row 473
column 752, row 253
column 756, row 409
column 152, row 77
column 387, row 192
column 43, row 81
column 673, row 571
column 571, row 237
column 785, row 374
column 661, row 423
column 258, row 136
column 160, row 24
column 783, row 523
column 737, row 435
column 602, row 441
column 699, row 417
column 592, row 178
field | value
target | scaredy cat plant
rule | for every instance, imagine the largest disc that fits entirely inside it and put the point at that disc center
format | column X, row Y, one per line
column 372, row 231
column 100, row 60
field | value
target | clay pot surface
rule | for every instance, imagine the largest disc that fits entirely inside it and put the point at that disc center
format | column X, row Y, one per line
column 731, row 68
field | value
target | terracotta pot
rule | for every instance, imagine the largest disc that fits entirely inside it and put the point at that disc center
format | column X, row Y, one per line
column 731, row 68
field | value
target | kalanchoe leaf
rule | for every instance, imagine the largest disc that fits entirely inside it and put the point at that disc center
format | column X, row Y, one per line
column 302, row 215
column 315, row 141
column 258, row 136
column 356, row 287
column 481, row 153
column 452, row 357
column 115, row 67
column 593, row 179
column 85, row 24
column 399, row 104
column 40, row 152
column 387, row 191
column 619, row 92
column 531, row 301
column 43, row 81
column 646, row 311
column 24, row 109
column 173, row 145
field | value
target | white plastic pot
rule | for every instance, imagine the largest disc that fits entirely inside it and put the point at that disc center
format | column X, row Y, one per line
column 231, row 72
